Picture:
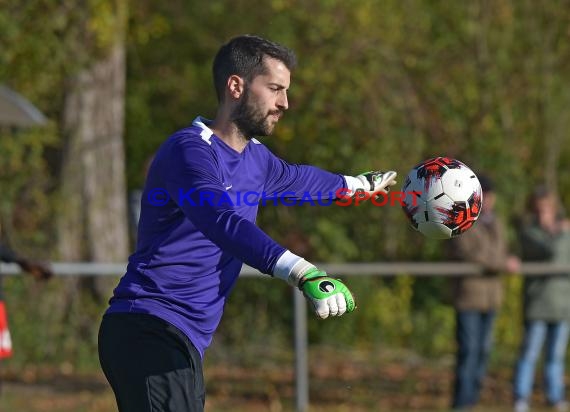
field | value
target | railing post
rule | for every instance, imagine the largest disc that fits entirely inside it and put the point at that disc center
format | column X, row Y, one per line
column 301, row 358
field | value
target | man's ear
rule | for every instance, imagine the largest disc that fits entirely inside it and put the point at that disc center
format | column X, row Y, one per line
column 236, row 86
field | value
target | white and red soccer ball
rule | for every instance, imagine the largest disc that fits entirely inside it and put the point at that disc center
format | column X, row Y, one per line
column 447, row 200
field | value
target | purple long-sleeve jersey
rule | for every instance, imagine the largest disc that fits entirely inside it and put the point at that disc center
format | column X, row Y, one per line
column 197, row 227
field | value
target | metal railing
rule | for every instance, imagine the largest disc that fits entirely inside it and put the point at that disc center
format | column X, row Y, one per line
column 450, row 269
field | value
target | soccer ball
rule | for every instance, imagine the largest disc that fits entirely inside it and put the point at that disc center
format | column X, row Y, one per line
column 442, row 197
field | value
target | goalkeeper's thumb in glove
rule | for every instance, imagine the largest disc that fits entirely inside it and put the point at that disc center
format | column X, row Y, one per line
column 327, row 296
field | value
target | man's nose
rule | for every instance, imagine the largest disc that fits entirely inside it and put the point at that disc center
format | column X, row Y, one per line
column 282, row 101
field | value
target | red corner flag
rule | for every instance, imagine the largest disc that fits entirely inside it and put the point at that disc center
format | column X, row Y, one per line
column 5, row 340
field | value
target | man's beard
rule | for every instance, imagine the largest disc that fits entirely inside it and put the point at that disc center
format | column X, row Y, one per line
column 249, row 120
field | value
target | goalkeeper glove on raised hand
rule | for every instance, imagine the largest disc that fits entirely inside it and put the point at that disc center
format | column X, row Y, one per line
column 327, row 296
column 375, row 181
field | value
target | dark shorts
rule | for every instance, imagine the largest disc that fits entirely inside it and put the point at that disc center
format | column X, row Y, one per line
column 151, row 365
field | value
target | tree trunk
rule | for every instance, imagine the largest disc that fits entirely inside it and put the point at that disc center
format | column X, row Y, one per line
column 93, row 215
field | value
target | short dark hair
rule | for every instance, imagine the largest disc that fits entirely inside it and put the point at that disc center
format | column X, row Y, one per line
column 243, row 56
column 539, row 192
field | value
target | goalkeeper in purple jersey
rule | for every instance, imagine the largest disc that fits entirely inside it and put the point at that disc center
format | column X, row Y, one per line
column 195, row 232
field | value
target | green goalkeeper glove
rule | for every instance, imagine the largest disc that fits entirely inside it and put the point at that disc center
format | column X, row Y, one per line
column 328, row 296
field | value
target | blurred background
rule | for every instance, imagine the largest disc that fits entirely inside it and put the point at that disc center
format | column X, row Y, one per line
column 380, row 85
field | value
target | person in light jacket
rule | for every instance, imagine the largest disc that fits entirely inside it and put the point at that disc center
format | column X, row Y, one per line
column 544, row 237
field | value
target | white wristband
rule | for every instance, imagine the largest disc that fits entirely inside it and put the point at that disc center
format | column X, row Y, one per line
column 291, row 268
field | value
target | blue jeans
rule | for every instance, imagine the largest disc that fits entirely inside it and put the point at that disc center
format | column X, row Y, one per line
column 556, row 335
column 474, row 334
